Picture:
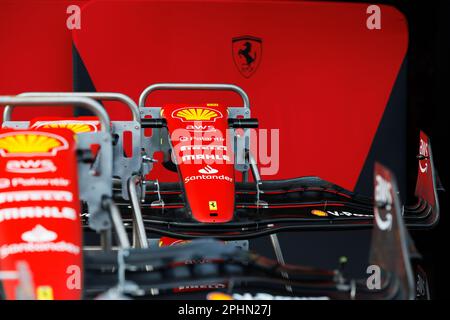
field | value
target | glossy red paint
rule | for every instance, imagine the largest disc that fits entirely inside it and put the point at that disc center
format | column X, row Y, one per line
column 40, row 211
column 35, row 51
column 206, row 168
column 324, row 79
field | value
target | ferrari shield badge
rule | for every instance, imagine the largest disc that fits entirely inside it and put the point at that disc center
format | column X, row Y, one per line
column 247, row 53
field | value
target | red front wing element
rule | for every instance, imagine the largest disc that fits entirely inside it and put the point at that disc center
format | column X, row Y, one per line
column 39, row 211
column 198, row 135
column 426, row 184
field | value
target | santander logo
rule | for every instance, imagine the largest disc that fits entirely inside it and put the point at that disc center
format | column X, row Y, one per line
column 208, row 170
column 39, row 234
column 38, row 240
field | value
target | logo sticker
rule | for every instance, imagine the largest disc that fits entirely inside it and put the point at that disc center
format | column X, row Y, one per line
column 208, row 177
column 208, row 170
column 36, row 212
column 247, row 53
column 423, row 151
column 197, row 114
column 30, row 166
column 213, row 205
column 35, row 195
column 28, row 143
column 39, row 239
column 4, row 183
column 75, row 126
column 218, row 296
column 44, row 293
column 39, row 234
column 319, row 213
column 328, row 213
column 383, row 197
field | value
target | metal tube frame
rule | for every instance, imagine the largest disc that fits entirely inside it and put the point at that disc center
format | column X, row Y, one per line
column 158, row 140
column 111, row 96
column 194, row 86
column 83, row 102
column 98, row 186
column 139, row 234
column 123, row 167
column 116, row 218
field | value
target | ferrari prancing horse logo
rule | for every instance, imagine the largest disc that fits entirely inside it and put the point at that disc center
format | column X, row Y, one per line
column 213, row 205
column 247, row 52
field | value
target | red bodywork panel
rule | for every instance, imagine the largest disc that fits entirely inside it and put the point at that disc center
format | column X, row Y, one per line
column 323, row 78
column 206, row 167
column 35, row 51
column 40, row 211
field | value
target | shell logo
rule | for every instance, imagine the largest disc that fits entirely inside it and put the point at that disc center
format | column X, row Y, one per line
column 319, row 213
column 169, row 242
column 31, row 143
column 218, row 296
column 197, row 114
column 75, row 126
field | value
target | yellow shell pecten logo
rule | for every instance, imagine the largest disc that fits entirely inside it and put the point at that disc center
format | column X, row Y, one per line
column 218, row 296
column 197, row 114
column 44, row 293
column 31, row 143
column 74, row 125
column 319, row 213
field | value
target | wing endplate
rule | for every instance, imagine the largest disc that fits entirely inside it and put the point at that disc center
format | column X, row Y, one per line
column 426, row 176
column 391, row 244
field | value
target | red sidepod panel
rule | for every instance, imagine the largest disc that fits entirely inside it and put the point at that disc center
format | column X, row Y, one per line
column 39, row 211
column 323, row 78
column 205, row 161
column 35, row 51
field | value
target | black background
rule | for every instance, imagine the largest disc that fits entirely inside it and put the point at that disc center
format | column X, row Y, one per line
column 428, row 69
column 427, row 105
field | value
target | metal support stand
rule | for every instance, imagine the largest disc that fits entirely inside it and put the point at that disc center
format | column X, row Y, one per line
column 279, row 254
column 116, row 218
column 258, row 182
column 139, row 235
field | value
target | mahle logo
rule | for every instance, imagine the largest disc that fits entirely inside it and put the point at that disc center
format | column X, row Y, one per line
column 29, row 143
column 197, row 114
